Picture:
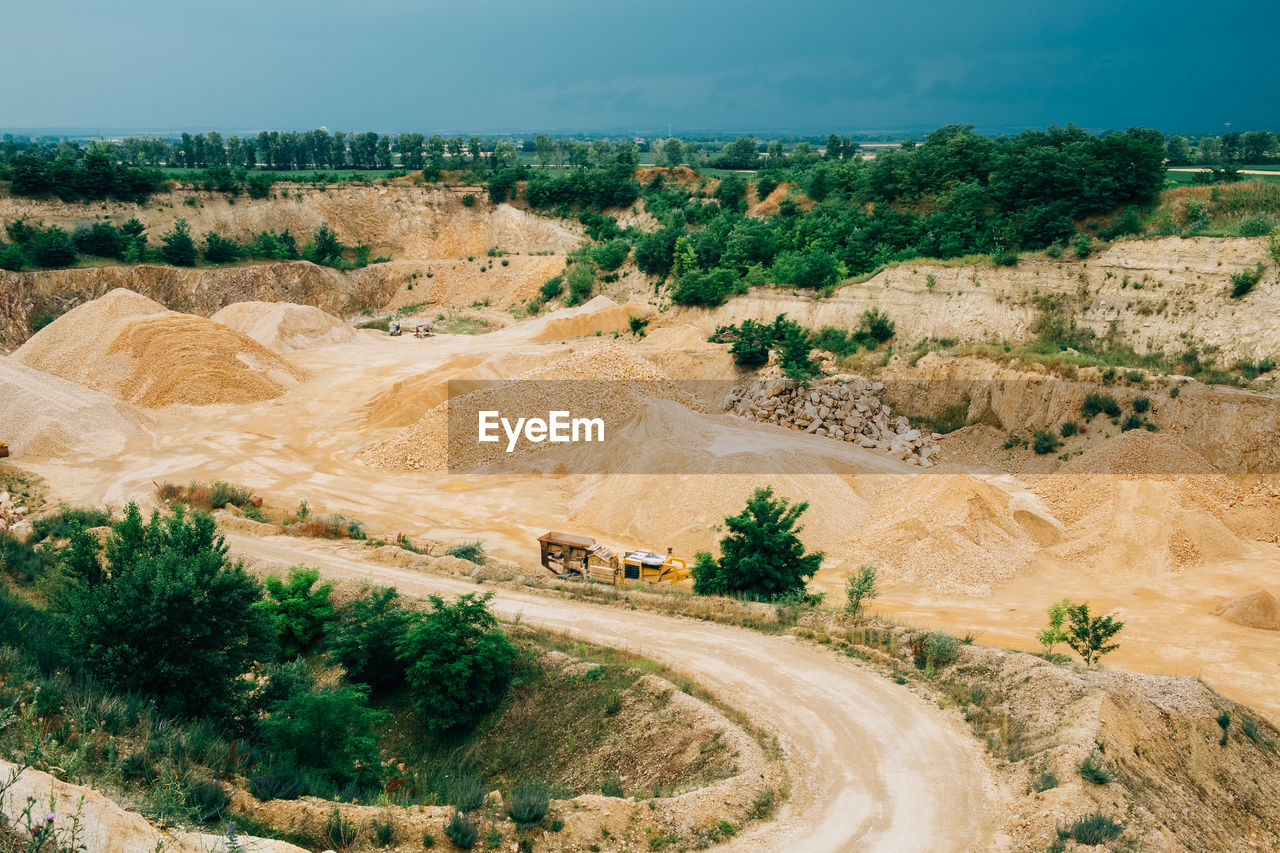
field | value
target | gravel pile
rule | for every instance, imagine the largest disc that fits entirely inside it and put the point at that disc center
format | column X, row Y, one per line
column 846, row 408
column 284, row 327
column 45, row 416
column 130, row 347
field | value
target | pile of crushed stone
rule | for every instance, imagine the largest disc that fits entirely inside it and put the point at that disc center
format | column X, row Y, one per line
column 42, row 415
column 284, row 327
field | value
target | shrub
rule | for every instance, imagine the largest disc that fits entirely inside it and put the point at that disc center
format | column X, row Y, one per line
column 364, row 641
column 277, row 785
column 461, row 831
column 1043, row 780
column 611, row 255
column 1089, row 636
column 1243, row 282
column 1132, row 421
column 1257, row 225
column 68, row 520
column 942, row 648
column 12, row 259
column 299, row 608
column 330, row 730
column 1092, row 829
column 551, row 288
column 51, row 247
column 1095, row 772
column 1068, row 429
column 1142, row 404
column 1003, row 257
column 1082, row 245
column 762, row 554
column 338, row 833
column 259, row 185
column 383, row 831
column 207, row 801
column 472, row 551
column 177, row 246
column 468, row 199
column 582, row 281
column 102, row 239
column 877, row 325
column 220, row 250
column 612, row 787
column 710, row 288
column 1043, row 441
column 860, row 587
column 202, row 625
column 529, row 804
column 222, row 493
column 793, row 355
column 458, row 664
column 465, row 791
column 1095, row 403
column 638, row 325
column 1224, row 722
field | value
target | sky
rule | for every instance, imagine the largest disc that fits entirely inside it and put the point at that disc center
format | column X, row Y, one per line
column 599, row 65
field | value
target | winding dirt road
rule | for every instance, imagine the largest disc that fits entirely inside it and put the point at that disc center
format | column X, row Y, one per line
column 873, row 766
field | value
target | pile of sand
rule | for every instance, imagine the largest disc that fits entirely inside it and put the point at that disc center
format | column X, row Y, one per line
column 44, row 416
column 605, row 381
column 130, row 347
column 1257, row 609
column 1138, row 453
column 285, row 327
column 954, row 533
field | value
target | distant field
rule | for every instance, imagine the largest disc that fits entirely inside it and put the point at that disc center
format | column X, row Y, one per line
column 1186, row 179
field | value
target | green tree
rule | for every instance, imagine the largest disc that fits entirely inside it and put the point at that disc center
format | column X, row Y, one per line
column 673, row 152
column 329, row 729
column 457, row 663
column 52, row 247
column 794, row 346
column 173, row 619
column 410, row 147
column 220, row 250
column 177, row 247
column 582, row 281
column 762, row 555
column 364, row 641
column 860, row 588
column 299, row 609
column 1055, row 633
column 1089, row 636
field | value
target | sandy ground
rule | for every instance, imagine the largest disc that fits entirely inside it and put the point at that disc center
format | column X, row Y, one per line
column 873, row 766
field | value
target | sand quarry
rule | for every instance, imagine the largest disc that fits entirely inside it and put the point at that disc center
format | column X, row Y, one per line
column 121, row 393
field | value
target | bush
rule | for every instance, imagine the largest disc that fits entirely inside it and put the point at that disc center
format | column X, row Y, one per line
column 942, row 648
column 582, row 281
column 102, row 239
column 220, row 250
column 259, row 185
column 465, row 791
column 1003, row 257
column 1092, row 829
column 364, row 641
column 695, row 287
column 1095, row 404
column 761, row 555
column 68, row 520
column 11, row 258
column 277, row 785
column 177, row 247
column 339, row 834
column 461, row 831
column 529, row 804
column 458, row 664
column 1082, row 245
column 877, row 325
column 612, row 786
column 222, row 493
column 330, row 730
column 638, row 325
column 173, row 618
column 207, row 802
column 551, row 288
column 299, row 608
column 1132, row 421
column 468, row 199
column 472, row 551
column 611, row 255
column 1043, row 442
column 860, row 587
column 1068, row 429
column 1257, row 225
column 51, row 247
column 1095, row 772
column 1142, row 404
column 1243, row 282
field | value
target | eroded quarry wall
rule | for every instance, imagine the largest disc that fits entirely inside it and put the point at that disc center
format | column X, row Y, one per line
column 437, row 244
column 1163, row 294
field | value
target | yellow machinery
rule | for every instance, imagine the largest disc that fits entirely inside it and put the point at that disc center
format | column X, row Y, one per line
column 567, row 554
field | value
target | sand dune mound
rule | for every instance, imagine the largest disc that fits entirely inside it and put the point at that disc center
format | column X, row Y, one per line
column 133, row 348
column 409, row 399
column 44, row 415
column 1257, row 609
column 955, row 533
column 605, row 381
column 284, row 327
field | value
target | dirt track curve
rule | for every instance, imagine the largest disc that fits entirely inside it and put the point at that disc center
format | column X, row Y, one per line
column 873, row 766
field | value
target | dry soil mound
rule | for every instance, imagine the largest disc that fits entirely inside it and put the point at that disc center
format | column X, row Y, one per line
column 1138, row 453
column 1257, row 609
column 133, row 348
column 285, row 327
column 42, row 415
column 955, row 533
column 409, row 399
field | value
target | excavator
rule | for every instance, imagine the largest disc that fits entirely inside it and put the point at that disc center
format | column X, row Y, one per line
column 567, row 554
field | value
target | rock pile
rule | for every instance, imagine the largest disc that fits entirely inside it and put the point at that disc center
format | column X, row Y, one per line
column 13, row 518
column 846, row 408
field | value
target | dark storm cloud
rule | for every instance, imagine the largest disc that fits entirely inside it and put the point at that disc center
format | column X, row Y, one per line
column 590, row 64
